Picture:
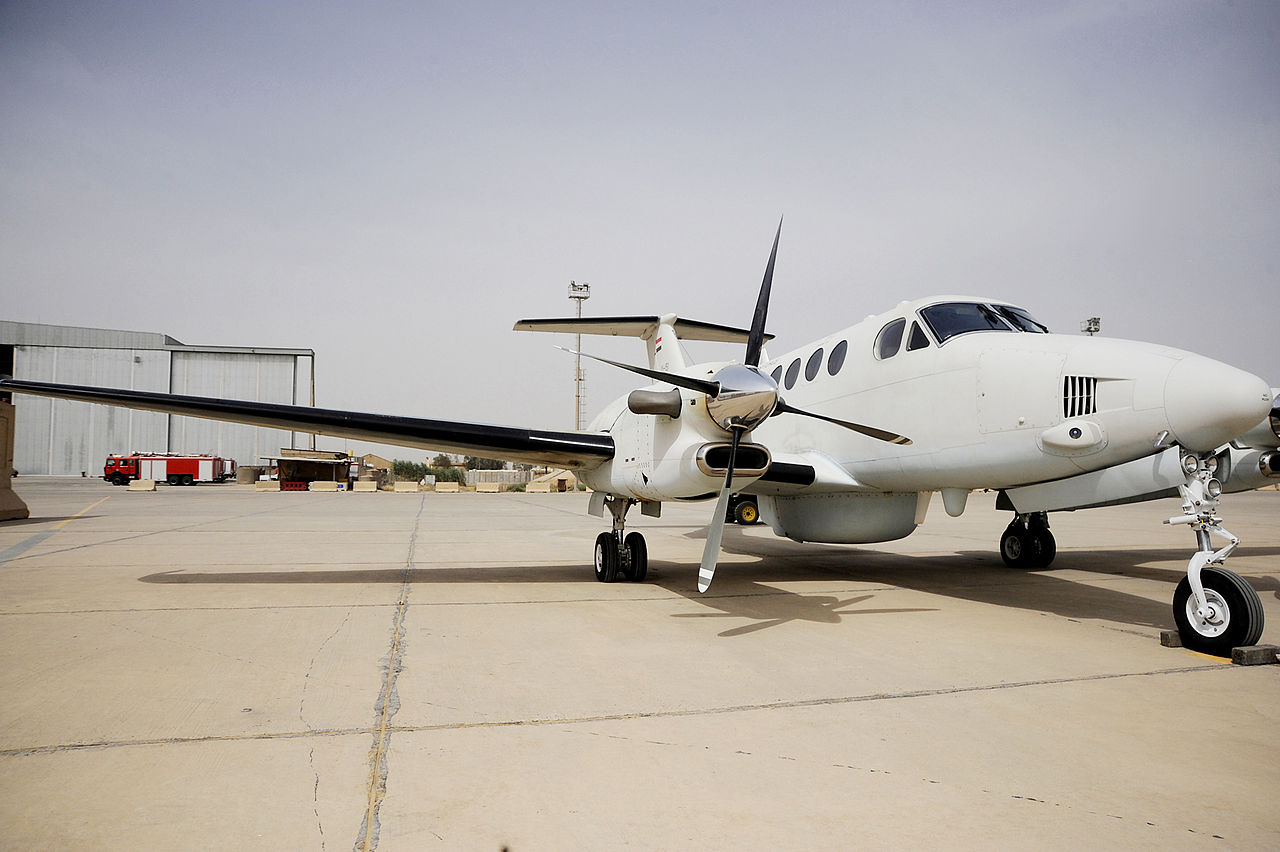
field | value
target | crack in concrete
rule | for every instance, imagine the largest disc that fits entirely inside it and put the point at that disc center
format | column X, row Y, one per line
column 388, row 703
column 382, row 732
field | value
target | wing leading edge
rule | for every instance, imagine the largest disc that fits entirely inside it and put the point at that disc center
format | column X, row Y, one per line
column 532, row 446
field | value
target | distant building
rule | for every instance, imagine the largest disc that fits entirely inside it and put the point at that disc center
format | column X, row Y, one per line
column 61, row 437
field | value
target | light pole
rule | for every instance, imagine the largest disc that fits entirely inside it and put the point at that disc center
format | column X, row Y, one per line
column 579, row 293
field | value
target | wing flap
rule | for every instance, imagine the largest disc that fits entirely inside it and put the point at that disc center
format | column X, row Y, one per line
column 561, row 449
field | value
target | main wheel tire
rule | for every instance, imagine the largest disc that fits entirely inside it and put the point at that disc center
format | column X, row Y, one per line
column 638, row 552
column 1046, row 546
column 746, row 513
column 1019, row 548
column 1236, row 620
column 606, row 557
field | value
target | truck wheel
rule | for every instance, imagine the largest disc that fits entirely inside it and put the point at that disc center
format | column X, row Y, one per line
column 118, row 479
column 746, row 513
column 186, row 479
column 172, row 479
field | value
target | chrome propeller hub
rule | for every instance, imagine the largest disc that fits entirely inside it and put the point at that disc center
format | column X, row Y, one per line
column 746, row 399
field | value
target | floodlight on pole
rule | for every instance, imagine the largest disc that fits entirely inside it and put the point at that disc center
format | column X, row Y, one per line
column 579, row 293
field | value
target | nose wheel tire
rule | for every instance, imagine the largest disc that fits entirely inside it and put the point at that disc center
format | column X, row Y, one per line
column 1234, row 618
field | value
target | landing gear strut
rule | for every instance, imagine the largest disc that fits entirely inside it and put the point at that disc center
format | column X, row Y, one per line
column 1027, row 542
column 619, row 553
column 1215, row 609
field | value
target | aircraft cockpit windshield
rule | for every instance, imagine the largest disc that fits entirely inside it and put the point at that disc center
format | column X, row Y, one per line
column 948, row 319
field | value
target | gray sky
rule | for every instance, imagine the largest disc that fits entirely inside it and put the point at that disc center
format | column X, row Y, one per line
column 393, row 184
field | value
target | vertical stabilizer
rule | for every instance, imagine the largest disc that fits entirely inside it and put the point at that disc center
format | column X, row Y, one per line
column 664, row 347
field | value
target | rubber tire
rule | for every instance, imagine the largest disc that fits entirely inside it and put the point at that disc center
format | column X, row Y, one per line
column 746, row 513
column 173, row 479
column 639, row 553
column 1020, row 549
column 119, row 479
column 1047, row 546
column 1245, row 618
column 606, row 557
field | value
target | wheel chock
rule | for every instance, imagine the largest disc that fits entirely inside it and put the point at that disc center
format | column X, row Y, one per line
column 1255, row 655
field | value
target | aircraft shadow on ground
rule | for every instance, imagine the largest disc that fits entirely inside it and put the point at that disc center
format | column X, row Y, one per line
column 752, row 591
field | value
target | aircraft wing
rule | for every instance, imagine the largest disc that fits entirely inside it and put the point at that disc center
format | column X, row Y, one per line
column 560, row 449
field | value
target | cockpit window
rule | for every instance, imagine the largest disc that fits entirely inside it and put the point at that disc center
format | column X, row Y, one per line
column 918, row 339
column 890, row 339
column 1022, row 320
column 952, row 318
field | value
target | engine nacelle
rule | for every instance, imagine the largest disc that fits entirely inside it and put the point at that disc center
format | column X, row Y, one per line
column 661, row 456
column 1244, row 470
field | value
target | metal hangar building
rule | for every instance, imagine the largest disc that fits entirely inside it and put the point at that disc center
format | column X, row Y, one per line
column 60, row 437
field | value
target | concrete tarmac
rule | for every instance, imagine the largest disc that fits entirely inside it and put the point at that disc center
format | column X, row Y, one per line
column 215, row 668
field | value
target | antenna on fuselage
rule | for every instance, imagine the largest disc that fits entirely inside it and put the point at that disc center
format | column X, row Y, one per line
column 1091, row 326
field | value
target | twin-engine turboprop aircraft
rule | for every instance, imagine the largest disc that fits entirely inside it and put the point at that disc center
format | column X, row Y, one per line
column 846, row 439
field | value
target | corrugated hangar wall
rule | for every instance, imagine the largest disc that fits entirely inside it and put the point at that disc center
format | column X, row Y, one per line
column 60, row 437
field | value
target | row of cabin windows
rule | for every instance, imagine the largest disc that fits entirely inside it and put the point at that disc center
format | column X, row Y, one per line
column 812, row 366
column 946, row 320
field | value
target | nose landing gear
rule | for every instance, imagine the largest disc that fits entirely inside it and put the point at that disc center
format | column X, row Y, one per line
column 1215, row 609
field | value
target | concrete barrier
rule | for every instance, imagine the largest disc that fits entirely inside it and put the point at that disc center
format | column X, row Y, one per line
column 11, row 506
column 487, row 487
column 538, row 488
column 321, row 485
column 365, row 486
column 406, row 488
column 267, row 485
column 446, row 488
column 142, row 485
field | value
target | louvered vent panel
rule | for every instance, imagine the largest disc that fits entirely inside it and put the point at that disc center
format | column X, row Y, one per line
column 1079, row 396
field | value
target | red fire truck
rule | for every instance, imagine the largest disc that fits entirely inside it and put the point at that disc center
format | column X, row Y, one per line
column 173, row 468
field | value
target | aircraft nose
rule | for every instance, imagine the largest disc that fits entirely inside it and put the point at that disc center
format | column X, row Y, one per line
column 1209, row 403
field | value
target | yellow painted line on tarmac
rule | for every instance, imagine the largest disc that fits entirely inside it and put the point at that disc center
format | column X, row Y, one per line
column 31, row 541
column 1209, row 657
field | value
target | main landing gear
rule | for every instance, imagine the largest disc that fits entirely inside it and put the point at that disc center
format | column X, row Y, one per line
column 618, row 553
column 1027, row 542
column 1215, row 609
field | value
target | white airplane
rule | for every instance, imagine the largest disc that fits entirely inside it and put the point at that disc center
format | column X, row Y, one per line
column 990, row 398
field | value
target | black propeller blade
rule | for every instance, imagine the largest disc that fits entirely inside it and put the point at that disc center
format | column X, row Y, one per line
column 755, row 339
column 870, row 431
column 701, row 385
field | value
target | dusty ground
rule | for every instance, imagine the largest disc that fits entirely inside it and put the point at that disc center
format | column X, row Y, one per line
column 213, row 667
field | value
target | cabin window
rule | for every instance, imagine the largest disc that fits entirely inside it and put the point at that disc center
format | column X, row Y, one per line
column 918, row 339
column 950, row 319
column 889, row 339
column 813, row 365
column 776, row 375
column 836, row 361
column 793, row 373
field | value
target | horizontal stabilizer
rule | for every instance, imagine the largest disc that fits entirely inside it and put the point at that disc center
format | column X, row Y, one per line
column 641, row 327
column 560, row 449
